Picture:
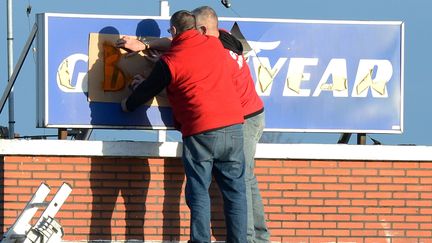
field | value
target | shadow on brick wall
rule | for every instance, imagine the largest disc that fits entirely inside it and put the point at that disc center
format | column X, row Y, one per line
column 174, row 178
column 119, row 189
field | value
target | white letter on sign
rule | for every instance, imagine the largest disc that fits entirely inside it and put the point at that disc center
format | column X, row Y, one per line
column 296, row 75
column 337, row 68
column 65, row 73
column 366, row 78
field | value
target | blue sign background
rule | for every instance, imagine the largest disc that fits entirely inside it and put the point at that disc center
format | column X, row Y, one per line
column 68, row 34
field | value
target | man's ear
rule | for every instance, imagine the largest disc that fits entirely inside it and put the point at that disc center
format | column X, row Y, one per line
column 203, row 29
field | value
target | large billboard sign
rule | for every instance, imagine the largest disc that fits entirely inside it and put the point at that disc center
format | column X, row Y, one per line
column 313, row 76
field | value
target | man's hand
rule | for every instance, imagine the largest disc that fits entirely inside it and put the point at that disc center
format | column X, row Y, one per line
column 137, row 80
column 154, row 55
column 130, row 44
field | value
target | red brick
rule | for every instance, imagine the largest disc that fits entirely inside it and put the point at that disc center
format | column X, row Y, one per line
column 336, row 232
column 425, row 165
column 350, row 225
column 271, row 194
column 405, row 180
column 323, row 225
column 351, row 210
column 31, row 167
column 419, row 203
column 378, row 210
column 364, row 172
column 308, row 232
column 274, row 163
column 60, row 167
column 296, row 179
column 324, row 164
column 17, row 159
column 282, row 201
column 282, row 171
column 405, row 226
column 379, row 164
column 337, row 187
column 310, row 217
column 77, row 160
column 281, row 186
column 419, row 173
column 350, row 239
column 309, row 171
column 296, row 209
column 310, row 202
column 324, row 179
column 379, row 180
column 392, row 203
column 337, row 172
column 337, row 202
column 351, row 179
column 337, row 217
column 426, row 219
column 379, row 195
column 351, row 195
column 323, row 194
column 296, row 163
column 425, row 240
column 364, row 202
column 406, row 165
column 392, row 173
column 391, row 218
column 403, row 210
column 365, row 187
column 282, row 232
column 364, row 217
column 351, row 164
column 310, row 187
column 319, row 240
column 419, row 188
column 261, row 171
column 376, row 240
column 16, row 175
column 280, row 217
column 406, row 195
column 405, row 240
column 295, row 224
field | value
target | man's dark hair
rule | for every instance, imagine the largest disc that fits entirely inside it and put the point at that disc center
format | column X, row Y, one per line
column 183, row 20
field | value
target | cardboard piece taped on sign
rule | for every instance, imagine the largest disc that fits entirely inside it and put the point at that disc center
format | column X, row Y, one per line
column 111, row 71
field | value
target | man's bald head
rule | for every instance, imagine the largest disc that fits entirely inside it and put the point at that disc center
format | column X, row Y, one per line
column 206, row 17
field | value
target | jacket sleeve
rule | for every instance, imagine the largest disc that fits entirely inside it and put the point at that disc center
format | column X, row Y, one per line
column 230, row 42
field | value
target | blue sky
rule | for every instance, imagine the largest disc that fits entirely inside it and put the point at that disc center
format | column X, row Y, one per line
column 414, row 13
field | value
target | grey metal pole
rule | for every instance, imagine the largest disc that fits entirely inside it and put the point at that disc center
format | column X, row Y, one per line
column 10, row 68
column 164, row 12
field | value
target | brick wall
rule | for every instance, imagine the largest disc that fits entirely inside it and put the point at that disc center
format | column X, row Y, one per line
column 305, row 200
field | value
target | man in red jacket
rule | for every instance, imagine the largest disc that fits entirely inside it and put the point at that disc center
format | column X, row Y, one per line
column 253, row 108
column 199, row 79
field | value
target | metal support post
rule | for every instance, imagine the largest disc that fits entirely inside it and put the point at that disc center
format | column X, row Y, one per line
column 18, row 67
column 361, row 138
column 10, row 68
column 344, row 138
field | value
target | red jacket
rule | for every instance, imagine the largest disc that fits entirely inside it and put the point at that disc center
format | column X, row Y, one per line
column 201, row 92
column 250, row 101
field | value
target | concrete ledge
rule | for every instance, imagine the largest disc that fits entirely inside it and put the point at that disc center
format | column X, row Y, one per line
column 173, row 149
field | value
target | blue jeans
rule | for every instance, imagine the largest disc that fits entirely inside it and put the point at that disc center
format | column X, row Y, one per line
column 257, row 230
column 218, row 153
